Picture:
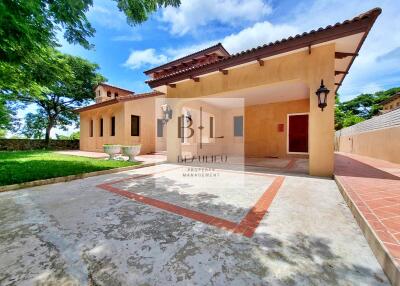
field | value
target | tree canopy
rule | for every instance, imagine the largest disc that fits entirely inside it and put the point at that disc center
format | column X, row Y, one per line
column 360, row 108
column 67, row 83
column 29, row 28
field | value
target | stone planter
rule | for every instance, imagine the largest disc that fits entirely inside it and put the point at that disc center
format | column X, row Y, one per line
column 112, row 150
column 131, row 151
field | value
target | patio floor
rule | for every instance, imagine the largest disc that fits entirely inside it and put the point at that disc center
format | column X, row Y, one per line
column 374, row 188
column 151, row 231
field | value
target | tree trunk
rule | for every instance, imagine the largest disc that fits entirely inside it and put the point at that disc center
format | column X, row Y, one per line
column 47, row 136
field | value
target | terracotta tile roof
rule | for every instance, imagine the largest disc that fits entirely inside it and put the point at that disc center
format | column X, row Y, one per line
column 361, row 23
column 126, row 91
column 217, row 47
column 390, row 99
column 118, row 100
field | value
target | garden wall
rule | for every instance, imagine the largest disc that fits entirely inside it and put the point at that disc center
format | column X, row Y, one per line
column 32, row 144
column 378, row 137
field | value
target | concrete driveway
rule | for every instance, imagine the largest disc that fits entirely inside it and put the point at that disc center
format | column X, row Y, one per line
column 165, row 225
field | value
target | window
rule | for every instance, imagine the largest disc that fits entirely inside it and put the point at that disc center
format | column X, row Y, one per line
column 113, row 126
column 109, row 93
column 135, row 124
column 211, row 127
column 116, row 94
column 101, row 127
column 160, row 128
column 91, row 128
column 391, row 106
column 238, row 126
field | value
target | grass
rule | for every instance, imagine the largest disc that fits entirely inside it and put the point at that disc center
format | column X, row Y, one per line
column 25, row 166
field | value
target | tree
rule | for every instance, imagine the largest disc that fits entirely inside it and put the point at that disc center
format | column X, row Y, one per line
column 360, row 108
column 67, row 82
column 27, row 27
column 8, row 111
column 35, row 125
column 72, row 136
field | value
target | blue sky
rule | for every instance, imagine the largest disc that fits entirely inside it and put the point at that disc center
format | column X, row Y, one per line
column 123, row 52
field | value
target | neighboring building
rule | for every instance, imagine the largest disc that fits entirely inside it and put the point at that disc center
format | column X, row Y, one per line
column 391, row 103
column 258, row 103
column 120, row 117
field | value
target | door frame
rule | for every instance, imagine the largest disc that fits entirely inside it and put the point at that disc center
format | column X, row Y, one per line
column 287, row 132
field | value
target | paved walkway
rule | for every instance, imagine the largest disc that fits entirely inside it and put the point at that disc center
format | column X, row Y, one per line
column 374, row 187
column 77, row 233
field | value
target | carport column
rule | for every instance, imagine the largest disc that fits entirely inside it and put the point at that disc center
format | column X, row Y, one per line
column 322, row 123
column 173, row 142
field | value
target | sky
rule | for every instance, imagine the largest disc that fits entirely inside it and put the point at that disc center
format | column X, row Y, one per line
column 123, row 52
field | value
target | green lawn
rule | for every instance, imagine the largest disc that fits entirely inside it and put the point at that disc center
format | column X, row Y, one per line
column 25, row 166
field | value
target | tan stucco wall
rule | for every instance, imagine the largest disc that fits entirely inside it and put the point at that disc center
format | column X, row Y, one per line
column 223, row 127
column 261, row 127
column 301, row 66
column 145, row 108
column 379, row 144
column 96, row 142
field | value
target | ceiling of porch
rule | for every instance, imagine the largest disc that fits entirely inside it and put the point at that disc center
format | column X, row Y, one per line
column 287, row 91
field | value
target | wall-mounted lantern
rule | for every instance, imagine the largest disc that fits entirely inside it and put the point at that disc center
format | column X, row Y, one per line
column 322, row 93
column 167, row 113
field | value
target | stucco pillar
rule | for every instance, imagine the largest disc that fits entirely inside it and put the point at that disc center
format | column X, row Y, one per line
column 173, row 142
column 321, row 123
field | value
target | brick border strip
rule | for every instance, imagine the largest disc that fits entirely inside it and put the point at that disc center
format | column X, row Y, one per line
column 381, row 253
column 72, row 177
column 246, row 227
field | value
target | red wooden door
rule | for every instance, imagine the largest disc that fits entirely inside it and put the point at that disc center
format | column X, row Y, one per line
column 298, row 133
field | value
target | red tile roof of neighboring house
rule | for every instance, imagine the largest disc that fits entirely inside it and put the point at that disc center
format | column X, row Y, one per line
column 390, row 99
column 359, row 24
column 118, row 100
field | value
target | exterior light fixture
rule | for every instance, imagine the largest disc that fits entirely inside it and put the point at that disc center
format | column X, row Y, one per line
column 167, row 113
column 322, row 93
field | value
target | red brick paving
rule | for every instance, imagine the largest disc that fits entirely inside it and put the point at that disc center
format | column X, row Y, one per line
column 247, row 226
column 374, row 187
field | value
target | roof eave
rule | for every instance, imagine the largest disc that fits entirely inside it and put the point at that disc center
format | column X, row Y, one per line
column 212, row 48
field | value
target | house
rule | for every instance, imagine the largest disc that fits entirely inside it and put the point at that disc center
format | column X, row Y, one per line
column 275, row 100
column 391, row 103
column 120, row 116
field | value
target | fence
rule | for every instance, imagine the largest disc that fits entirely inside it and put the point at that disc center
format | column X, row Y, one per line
column 377, row 137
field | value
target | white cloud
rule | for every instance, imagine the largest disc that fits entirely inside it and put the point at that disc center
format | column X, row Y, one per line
column 258, row 34
column 371, row 88
column 138, row 59
column 192, row 14
column 376, row 67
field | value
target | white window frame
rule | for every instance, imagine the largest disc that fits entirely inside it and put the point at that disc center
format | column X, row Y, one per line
column 287, row 133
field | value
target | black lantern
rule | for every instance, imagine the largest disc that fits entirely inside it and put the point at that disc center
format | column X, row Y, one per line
column 322, row 93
